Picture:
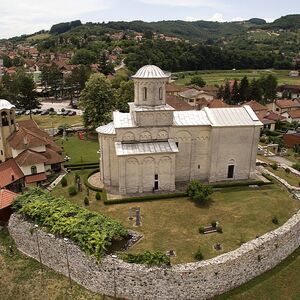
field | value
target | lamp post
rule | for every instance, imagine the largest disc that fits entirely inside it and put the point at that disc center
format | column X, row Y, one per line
column 38, row 245
column 67, row 256
column 114, row 257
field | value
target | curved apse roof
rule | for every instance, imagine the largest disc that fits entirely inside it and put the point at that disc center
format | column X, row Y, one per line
column 4, row 104
column 150, row 71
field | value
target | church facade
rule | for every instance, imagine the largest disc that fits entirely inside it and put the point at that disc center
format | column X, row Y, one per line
column 153, row 147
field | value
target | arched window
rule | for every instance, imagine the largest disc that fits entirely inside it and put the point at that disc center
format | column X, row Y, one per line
column 4, row 119
column 145, row 93
column 160, row 91
column 33, row 170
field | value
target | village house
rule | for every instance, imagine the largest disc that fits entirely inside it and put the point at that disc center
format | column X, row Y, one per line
column 292, row 116
column 154, row 147
column 193, row 95
column 27, row 153
column 288, row 91
column 284, row 105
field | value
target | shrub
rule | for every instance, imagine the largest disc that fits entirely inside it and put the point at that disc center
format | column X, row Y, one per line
column 72, row 191
column 201, row 230
column 198, row 255
column 64, row 182
column 86, row 201
column 296, row 166
column 219, row 229
column 287, row 170
column 214, row 223
column 262, row 139
column 275, row 220
column 147, row 258
column 91, row 231
column 274, row 166
column 98, row 196
column 198, row 191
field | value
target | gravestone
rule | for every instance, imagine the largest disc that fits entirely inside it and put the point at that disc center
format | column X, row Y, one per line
column 137, row 216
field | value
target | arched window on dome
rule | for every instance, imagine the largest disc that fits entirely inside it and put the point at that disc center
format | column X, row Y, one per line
column 145, row 93
column 160, row 91
column 4, row 118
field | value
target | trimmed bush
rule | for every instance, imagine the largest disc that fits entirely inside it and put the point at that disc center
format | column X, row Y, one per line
column 72, row 191
column 201, row 230
column 198, row 191
column 86, row 201
column 198, row 255
column 275, row 220
column 91, row 231
column 147, row 258
column 64, row 182
column 287, row 170
column 296, row 166
column 98, row 196
column 214, row 224
column 274, row 166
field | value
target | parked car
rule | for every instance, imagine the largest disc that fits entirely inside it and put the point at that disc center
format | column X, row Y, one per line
column 65, row 113
column 27, row 112
column 45, row 112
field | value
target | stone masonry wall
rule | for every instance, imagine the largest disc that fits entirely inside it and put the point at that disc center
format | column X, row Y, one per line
column 201, row 280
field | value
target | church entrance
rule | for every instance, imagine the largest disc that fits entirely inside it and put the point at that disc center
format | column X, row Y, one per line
column 230, row 171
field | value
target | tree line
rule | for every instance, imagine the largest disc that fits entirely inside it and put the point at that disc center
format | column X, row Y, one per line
column 263, row 90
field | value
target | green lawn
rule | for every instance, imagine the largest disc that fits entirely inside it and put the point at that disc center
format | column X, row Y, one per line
column 291, row 178
column 21, row 278
column 54, row 121
column 280, row 283
column 80, row 151
column 218, row 76
column 243, row 213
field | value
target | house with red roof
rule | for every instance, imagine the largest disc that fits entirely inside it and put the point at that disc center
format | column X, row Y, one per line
column 6, row 199
column 27, row 153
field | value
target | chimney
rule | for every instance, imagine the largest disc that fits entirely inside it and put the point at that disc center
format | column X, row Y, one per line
column 12, row 177
column 25, row 140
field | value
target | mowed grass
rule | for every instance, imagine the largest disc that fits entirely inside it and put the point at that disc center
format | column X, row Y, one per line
column 79, row 151
column 217, row 77
column 21, row 278
column 54, row 121
column 280, row 283
column 243, row 214
column 291, row 178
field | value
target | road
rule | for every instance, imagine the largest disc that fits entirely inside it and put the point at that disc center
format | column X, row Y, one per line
column 58, row 106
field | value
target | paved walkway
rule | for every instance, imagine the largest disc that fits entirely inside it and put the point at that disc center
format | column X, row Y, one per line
column 281, row 160
column 56, row 181
column 95, row 180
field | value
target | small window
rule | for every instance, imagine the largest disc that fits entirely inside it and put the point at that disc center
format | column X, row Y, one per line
column 145, row 93
column 156, row 177
column 1, row 152
column 277, row 109
column 198, row 166
column 160, row 93
column 33, row 170
column 177, row 144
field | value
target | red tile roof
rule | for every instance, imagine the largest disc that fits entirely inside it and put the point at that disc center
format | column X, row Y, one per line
column 9, row 173
column 35, row 178
column 29, row 157
column 256, row 106
column 216, row 103
column 287, row 103
column 52, row 157
column 6, row 198
column 294, row 114
column 178, row 103
column 274, row 117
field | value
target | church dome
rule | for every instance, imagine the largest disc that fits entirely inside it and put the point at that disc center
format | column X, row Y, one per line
column 150, row 71
column 4, row 104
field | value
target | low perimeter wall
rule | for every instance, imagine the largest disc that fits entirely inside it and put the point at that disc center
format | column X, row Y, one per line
column 200, row 280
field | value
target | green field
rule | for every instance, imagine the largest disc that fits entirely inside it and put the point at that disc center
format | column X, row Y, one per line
column 38, row 37
column 218, row 77
column 80, row 151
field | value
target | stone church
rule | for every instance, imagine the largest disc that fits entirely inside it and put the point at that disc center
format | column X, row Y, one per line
column 154, row 147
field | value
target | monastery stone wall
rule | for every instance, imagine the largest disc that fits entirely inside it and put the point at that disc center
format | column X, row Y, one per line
column 201, row 280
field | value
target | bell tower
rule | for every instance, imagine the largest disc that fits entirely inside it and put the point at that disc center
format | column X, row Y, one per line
column 149, row 107
column 7, row 127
